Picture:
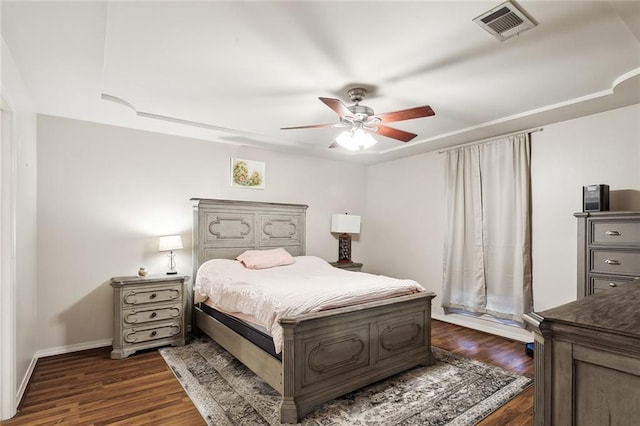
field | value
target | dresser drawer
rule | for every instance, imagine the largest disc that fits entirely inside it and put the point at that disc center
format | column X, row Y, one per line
column 136, row 335
column 142, row 316
column 599, row 284
column 140, row 296
column 615, row 232
column 615, row 262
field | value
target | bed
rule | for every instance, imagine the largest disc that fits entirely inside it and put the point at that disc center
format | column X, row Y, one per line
column 324, row 354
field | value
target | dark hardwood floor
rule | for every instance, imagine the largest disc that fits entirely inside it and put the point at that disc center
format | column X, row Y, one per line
column 494, row 350
column 89, row 388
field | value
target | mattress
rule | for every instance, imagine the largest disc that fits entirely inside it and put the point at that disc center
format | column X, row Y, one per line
column 245, row 329
column 310, row 284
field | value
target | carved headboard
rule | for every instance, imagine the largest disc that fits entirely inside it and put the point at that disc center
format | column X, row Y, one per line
column 226, row 228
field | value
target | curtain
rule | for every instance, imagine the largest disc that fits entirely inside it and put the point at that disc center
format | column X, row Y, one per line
column 487, row 250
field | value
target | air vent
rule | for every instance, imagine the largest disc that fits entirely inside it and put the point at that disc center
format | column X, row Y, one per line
column 505, row 21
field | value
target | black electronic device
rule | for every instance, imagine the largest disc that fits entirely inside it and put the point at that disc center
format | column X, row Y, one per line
column 595, row 198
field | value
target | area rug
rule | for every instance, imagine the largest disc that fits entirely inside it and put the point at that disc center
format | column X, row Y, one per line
column 454, row 391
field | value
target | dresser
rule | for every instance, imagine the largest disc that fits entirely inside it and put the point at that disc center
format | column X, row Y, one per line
column 608, row 250
column 353, row 266
column 148, row 312
column 587, row 360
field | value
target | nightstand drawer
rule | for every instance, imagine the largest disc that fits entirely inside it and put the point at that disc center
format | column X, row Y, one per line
column 141, row 316
column 616, row 262
column 615, row 232
column 139, row 296
column 136, row 335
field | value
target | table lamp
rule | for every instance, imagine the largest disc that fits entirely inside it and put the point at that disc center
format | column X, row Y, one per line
column 170, row 243
column 345, row 224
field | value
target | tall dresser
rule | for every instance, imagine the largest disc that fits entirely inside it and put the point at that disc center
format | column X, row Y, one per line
column 608, row 250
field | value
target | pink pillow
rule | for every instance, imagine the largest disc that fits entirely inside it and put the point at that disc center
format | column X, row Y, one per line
column 262, row 259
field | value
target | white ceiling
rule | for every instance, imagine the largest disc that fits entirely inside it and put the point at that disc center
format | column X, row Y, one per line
column 236, row 72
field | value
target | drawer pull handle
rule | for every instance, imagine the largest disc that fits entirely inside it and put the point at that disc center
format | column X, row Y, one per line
column 613, row 285
column 613, row 233
column 153, row 315
column 152, row 296
column 131, row 318
column 153, row 333
column 612, row 262
column 131, row 337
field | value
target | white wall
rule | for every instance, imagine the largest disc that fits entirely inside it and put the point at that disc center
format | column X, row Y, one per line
column 405, row 201
column 598, row 149
column 405, row 227
column 26, row 245
column 18, row 237
column 106, row 193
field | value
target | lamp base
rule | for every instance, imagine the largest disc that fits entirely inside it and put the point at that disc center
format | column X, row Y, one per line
column 172, row 273
column 344, row 248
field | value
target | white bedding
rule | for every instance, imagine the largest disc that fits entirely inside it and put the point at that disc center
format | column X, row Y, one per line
column 310, row 284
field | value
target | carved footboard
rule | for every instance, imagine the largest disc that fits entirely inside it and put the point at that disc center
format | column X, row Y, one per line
column 331, row 353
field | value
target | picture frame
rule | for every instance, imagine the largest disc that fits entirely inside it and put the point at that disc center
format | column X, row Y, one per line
column 247, row 173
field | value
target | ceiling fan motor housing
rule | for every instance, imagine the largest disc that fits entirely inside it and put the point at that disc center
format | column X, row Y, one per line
column 361, row 112
column 357, row 94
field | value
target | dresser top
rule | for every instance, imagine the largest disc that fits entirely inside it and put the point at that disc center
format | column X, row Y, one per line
column 615, row 310
column 149, row 279
column 612, row 214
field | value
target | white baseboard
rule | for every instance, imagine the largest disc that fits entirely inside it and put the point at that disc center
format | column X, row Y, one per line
column 25, row 380
column 73, row 348
column 490, row 327
column 56, row 351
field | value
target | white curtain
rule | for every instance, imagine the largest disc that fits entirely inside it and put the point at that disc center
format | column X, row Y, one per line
column 487, row 251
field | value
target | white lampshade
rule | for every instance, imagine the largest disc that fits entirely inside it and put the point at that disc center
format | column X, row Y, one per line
column 345, row 223
column 170, row 242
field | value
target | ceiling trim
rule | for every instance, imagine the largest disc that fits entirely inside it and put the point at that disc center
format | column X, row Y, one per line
column 571, row 108
column 176, row 120
column 531, row 113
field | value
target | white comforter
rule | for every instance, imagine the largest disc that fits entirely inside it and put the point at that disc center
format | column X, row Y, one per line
column 310, row 284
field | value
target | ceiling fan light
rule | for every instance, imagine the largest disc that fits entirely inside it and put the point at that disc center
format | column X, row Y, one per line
column 355, row 140
column 346, row 140
column 367, row 141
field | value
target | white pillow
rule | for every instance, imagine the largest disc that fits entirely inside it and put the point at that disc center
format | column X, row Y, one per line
column 262, row 259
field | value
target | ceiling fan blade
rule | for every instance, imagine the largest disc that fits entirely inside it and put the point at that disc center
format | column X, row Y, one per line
column 311, row 126
column 407, row 114
column 390, row 132
column 337, row 105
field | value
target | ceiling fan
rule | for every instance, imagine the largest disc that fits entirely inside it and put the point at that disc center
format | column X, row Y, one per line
column 360, row 117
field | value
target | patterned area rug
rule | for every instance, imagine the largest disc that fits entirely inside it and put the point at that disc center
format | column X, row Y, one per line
column 454, row 391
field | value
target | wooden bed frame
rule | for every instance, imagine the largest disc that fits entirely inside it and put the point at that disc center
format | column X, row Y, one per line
column 325, row 354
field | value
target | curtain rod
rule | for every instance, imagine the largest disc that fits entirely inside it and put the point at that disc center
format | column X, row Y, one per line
column 533, row 130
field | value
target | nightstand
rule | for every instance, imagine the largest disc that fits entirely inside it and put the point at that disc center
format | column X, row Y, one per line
column 148, row 312
column 355, row 267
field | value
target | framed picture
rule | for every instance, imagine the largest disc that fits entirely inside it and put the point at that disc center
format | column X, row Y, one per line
column 247, row 173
